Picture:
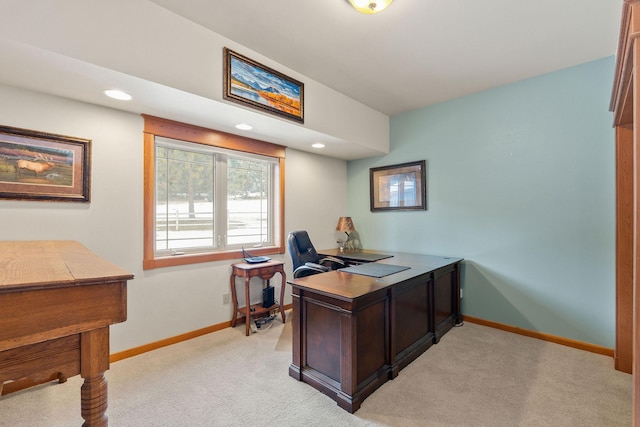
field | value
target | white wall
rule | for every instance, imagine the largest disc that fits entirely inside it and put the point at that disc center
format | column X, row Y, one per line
column 164, row 302
column 143, row 40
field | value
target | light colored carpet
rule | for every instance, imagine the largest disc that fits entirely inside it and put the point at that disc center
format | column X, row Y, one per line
column 475, row 376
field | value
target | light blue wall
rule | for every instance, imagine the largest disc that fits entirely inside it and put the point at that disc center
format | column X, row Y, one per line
column 520, row 182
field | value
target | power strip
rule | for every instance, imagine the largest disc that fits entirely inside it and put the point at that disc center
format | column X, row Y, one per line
column 263, row 321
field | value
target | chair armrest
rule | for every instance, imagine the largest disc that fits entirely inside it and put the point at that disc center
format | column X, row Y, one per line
column 335, row 262
column 308, row 269
column 324, row 268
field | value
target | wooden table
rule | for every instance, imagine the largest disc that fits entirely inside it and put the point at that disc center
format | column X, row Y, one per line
column 352, row 333
column 58, row 300
column 264, row 270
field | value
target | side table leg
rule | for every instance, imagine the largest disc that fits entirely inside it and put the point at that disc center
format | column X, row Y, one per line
column 247, row 305
column 234, row 300
column 284, row 285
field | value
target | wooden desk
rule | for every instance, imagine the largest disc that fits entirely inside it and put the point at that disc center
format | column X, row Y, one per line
column 265, row 270
column 58, row 300
column 352, row 333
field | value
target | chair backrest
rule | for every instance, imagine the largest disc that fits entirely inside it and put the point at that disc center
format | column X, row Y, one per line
column 301, row 249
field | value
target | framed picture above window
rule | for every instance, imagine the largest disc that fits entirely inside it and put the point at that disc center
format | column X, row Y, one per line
column 398, row 187
column 252, row 84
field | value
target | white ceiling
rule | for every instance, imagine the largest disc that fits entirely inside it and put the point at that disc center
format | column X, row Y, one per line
column 414, row 54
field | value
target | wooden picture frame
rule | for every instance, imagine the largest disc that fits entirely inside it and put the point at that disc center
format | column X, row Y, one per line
column 398, row 187
column 252, row 84
column 43, row 166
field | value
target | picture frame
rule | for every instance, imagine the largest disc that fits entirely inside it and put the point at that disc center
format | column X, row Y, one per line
column 400, row 187
column 252, row 84
column 44, row 166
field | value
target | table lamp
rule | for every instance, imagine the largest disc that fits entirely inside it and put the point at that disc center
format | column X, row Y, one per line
column 345, row 224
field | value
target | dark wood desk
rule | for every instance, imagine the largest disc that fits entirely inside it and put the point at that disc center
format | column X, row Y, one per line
column 352, row 333
column 264, row 270
column 58, row 300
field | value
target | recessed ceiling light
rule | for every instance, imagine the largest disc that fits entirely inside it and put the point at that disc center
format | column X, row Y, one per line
column 317, row 145
column 244, row 126
column 117, row 94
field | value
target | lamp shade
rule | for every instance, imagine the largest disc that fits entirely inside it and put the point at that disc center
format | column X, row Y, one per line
column 345, row 223
column 370, row 6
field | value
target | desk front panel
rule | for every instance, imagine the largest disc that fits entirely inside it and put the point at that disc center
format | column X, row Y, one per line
column 372, row 337
column 322, row 338
column 332, row 337
column 446, row 288
column 341, row 348
column 412, row 327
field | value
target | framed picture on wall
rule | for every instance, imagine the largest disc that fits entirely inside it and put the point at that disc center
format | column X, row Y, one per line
column 252, row 84
column 43, row 166
column 398, row 187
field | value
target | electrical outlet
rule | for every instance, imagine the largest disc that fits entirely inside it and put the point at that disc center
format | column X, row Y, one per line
column 226, row 299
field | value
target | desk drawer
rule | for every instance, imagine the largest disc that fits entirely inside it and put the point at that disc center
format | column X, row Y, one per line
column 268, row 270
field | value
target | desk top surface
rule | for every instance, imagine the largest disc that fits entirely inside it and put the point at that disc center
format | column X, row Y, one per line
column 51, row 263
column 349, row 286
column 358, row 255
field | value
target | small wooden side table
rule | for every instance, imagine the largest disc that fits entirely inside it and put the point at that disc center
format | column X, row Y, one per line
column 265, row 270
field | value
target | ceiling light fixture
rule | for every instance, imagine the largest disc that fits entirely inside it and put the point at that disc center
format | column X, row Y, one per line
column 244, row 126
column 370, row 6
column 318, row 145
column 117, row 94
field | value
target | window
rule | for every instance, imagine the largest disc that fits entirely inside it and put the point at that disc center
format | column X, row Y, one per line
column 209, row 194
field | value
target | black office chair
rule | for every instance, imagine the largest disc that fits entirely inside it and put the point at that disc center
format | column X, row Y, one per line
column 306, row 260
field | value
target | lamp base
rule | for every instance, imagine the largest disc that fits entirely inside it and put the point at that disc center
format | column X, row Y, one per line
column 347, row 247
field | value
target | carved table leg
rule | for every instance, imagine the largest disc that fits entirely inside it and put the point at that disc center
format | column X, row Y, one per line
column 247, row 299
column 94, row 361
column 282, row 288
column 234, row 299
column 94, row 401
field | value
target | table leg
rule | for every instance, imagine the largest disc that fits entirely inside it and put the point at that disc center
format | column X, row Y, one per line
column 247, row 305
column 234, row 300
column 94, row 361
column 283, row 285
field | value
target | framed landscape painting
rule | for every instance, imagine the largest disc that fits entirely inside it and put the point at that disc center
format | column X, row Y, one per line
column 42, row 166
column 398, row 187
column 252, row 84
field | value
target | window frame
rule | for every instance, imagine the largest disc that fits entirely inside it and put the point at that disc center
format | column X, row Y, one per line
column 155, row 126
